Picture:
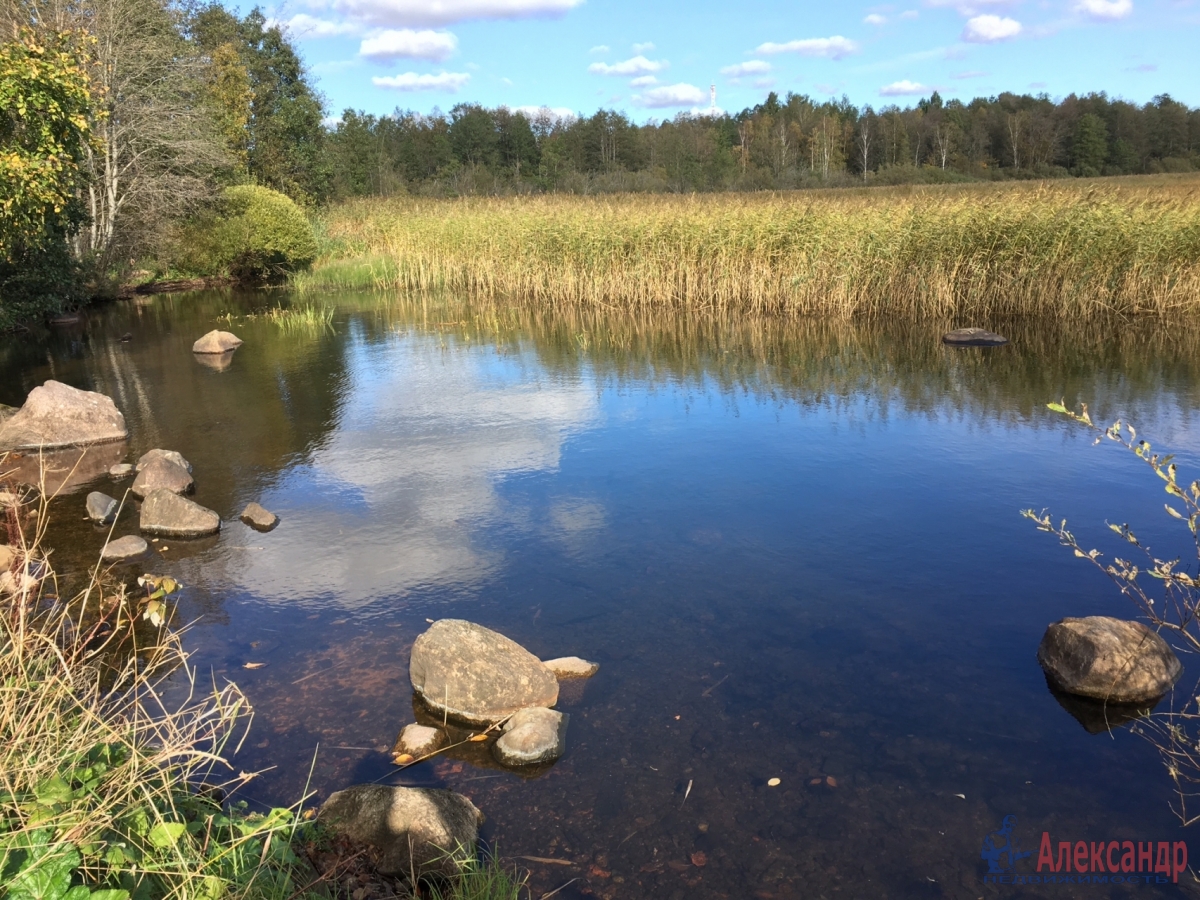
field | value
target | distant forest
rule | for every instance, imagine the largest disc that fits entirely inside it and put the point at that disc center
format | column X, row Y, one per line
column 784, row 142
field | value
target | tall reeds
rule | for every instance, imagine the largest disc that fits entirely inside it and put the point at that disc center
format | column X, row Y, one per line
column 970, row 252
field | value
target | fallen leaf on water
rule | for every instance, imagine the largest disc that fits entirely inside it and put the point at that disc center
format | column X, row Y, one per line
column 831, row 781
column 253, row 665
column 814, row 781
column 402, row 759
column 598, row 872
column 309, row 814
column 699, row 860
column 678, row 866
column 963, row 796
column 772, row 782
column 476, row 738
column 547, row 860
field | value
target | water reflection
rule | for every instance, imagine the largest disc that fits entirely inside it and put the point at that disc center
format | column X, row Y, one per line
column 793, row 546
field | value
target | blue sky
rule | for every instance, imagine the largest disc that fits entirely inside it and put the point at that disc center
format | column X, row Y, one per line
column 655, row 60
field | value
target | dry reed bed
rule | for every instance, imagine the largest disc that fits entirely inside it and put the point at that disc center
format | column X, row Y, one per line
column 985, row 250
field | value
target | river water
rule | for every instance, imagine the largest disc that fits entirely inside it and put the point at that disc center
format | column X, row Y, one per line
column 795, row 549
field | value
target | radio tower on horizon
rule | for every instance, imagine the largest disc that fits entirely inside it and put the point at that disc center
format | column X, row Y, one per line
column 712, row 99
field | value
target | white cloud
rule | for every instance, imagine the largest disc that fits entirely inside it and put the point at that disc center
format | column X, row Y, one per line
column 753, row 67
column 671, row 95
column 764, row 82
column 305, row 27
column 974, row 73
column 552, row 112
column 600, row 48
column 875, row 19
column 643, row 81
column 411, row 81
column 408, row 13
column 909, row 14
column 639, row 65
column 903, row 89
column 988, row 29
column 1105, row 10
column 409, row 44
column 831, row 47
column 643, row 48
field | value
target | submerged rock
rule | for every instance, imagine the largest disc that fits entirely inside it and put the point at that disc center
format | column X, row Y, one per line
column 258, row 518
column 57, row 415
column 101, row 508
column 162, row 474
column 217, row 342
column 475, row 675
column 218, row 362
column 1108, row 659
column 64, row 471
column 169, row 514
column 532, row 736
column 169, row 455
column 1097, row 716
column 120, row 470
column 124, row 549
column 419, row 740
column 572, row 667
column 422, row 830
column 973, row 337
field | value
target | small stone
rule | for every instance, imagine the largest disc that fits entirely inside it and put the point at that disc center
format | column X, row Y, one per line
column 217, row 342
column 532, row 736
column 773, row 782
column 258, row 518
column 973, row 337
column 571, row 667
column 418, row 740
column 1108, row 659
column 170, row 455
column 120, row 470
column 125, row 549
column 166, row 513
column 421, row 830
column 101, row 508
column 162, row 474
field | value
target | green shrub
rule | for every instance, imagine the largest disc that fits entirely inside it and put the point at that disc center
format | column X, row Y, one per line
column 257, row 234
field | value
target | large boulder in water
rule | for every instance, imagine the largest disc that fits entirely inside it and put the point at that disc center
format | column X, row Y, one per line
column 1108, row 659
column 217, row 342
column 168, row 514
column 477, row 676
column 421, row 830
column 158, row 453
column 57, row 415
column 532, row 736
column 161, row 473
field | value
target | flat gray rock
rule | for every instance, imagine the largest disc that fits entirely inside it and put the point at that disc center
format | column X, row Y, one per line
column 476, row 675
column 217, row 342
column 973, row 337
column 258, row 518
column 166, row 513
column 169, row 455
column 162, row 475
column 419, row 740
column 125, row 548
column 101, row 508
column 572, row 667
column 120, row 470
column 422, row 830
column 532, row 736
column 1108, row 659
column 57, row 415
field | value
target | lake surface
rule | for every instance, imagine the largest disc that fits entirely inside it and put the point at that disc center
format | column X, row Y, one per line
column 794, row 548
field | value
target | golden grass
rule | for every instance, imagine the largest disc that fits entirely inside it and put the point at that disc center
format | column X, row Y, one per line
column 1129, row 246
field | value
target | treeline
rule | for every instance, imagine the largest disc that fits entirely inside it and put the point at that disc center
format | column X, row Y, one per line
column 123, row 123
column 782, row 143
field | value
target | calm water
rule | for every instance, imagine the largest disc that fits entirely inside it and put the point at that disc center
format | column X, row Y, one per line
column 794, row 548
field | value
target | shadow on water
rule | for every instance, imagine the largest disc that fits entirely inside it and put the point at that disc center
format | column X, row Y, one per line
column 793, row 546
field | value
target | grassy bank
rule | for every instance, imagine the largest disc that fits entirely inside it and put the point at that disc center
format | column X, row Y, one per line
column 1130, row 246
column 108, row 789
